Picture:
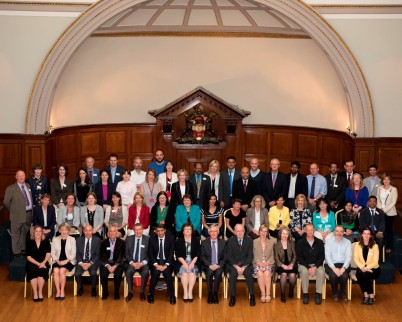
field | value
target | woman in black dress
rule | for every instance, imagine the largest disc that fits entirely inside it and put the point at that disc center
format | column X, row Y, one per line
column 37, row 266
column 82, row 186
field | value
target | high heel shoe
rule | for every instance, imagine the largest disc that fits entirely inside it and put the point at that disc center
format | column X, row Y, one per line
column 267, row 299
column 263, row 299
column 283, row 298
column 365, row 300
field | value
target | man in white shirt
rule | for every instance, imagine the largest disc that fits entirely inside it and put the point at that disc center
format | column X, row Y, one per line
column 137, row 175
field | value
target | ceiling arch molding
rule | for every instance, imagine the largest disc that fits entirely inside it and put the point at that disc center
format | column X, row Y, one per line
column 361, row 115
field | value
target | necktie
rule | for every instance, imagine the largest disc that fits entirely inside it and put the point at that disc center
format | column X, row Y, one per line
column 230, row 181
column 333, row 181
column 90, row 176
column 198, row 186
column 348, row 179
column 245, row 186
column 273, row 180
column 213, row 253
column 240, row 243
column 86, row 257
column 24, row 192
column 312, row 191
column 112, row 244
column 372, row 226
column 137, row 251
column 160, row 253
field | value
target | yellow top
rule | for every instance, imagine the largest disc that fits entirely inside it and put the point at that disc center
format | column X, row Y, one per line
column 274, row 214
column 372, row 257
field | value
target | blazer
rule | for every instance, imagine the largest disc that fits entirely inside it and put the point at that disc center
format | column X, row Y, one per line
column 215, row 184
column 118, row 253
column 195, row 217
column 238, row 191
column 130, row 244
column 58, row 192
column 367, row 184
column 180, row 251
column 365, row 219
column 224, row 187
column 39, row 187
column 258, row 180
column 38, row 218
column 236, row 254
column 14, row 201
column 95, row 175
column 271, row 193
column 163, row 182
column 362, row 196
column 71, row 249
column 372, row 258
column 307, row 254
column 205, row 190
column 118, row 176
column 390, row 202
column 175, row 198
column 206, row 253
column 94, row 255
column 250, row 219
column 168, row 249
column 99, row 193
column 108, row 213
column 144, row 217
column 336, row 192
column 98, row 217
column 279, row 253
column 169, row 218
column 269, row 250
column 301, row 186
column 62, row 214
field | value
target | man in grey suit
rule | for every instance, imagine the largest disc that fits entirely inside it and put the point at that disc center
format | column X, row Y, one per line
column 227, row 177
column 88, row 257
column 239, row 255
column 213, row 259
column 373, row 181
column 201, row 186
column 137, row 260
column 93, row 173
column 18, row 201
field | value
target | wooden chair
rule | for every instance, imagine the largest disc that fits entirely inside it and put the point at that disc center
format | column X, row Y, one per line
column 299, row 288
column 68, row 274
column 176, row 285
column 204, row 277
column 111, row 276
column 49, row 283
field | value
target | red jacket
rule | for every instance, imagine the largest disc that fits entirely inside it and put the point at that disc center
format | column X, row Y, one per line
column 144, row 217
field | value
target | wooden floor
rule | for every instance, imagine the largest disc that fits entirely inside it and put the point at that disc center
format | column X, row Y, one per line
column 13, row 307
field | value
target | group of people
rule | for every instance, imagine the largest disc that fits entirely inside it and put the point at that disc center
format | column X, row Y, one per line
column 274, row 224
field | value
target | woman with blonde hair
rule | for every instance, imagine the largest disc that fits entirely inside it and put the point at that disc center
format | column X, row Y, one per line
column 150, row 187
column 357, row 193
column 257, row 215
column 213, row 173
column 180, row 188
column 300, row 216
column 139, row 213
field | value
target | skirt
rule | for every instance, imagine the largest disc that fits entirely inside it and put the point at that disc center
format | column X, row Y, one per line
column 33, row 271
column 69, row 267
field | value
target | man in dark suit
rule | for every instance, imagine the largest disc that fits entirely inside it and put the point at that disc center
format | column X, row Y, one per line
column 93, row 173
column 274, row 184
column 115, row 170
column 137, row 260
column 213, row 259
column 244, row 188
column 256, row 174
column 87, row 254
column 239, row 256
column 226, row 179
column 112, row 252
column 161, row 261
column 374, row 218
column 296, row 184
column 201, row 186
column 349, row 167
column 336, row 187
column 18, row 201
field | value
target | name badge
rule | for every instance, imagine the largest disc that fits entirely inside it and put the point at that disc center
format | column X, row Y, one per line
column 38, row 187
column 113, row 210
column 335, row 186
column 108, row 248
column 370, row 254
column 117, row 173
column 64, row 185
column 204, row 179
column 142, row 246
column 94, row 175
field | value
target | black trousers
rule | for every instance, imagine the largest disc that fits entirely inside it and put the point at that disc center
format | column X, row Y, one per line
column 167, row 275
column 248, row 274
column 104, row 274
column 365, row 279
column 335, row 280
column 92, row 273
column 213, row 278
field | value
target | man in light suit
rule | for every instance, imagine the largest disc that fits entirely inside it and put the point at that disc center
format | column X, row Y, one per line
column 115, row 170
column 336, row 187
column 244, row 188
column 18, row 201
column 201, row 186
column 213, row 265
column 137, row 260
column 274, row 184
column 226, row 179
column 373, row 182
column 93, row 173
column 87, row 254
column 239, row 255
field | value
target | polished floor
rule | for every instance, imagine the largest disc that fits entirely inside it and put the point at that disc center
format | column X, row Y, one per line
column 13, row 307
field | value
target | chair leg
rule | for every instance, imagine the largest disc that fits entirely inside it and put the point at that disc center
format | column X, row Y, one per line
column 200, row 286
column 125, row 286
column 50, row 286
column 324, row 289
column 25, row 286
column 176, row 286
column 298, row 288
column 100, row 287
column 349, row 289
column 374, row 287
column 273, row 289
column 75, row 286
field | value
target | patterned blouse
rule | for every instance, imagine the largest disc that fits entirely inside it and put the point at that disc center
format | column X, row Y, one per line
column 300, row 218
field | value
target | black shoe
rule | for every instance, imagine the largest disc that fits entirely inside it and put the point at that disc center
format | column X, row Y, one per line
column 336, row 298
column 365, row 300
column 142, row 296
column 61, row 298
column 371, row 301
column 129, row 297
column 93, row 293
column 185, row 300
column 40, row 299
column 345, row 299
column 104, row 296
column 117, row 297
column 80, row 291
column 210, row 298
column 252, row 300
column 57, row 298
column 216, row 298
column 291, row 292
column 305, row 298
column 150, row 299
column 190, row 300
column 283, row 298
column 36, row 300
column 232, row 301
column 318, row 298
column 173, row 300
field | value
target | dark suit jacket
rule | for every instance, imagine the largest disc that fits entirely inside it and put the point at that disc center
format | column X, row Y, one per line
column 95, row 175
column 271, row 193
column 38, row 189
column 301, row 186
column 180, row 250
column 94, row 256
column 118, row 254
column 175, row 198
column 169, row 219
column 118, row 176
column 238, row 191
column 168, row 249
column 206, row 253
column 99, row 193
column 344, row 175
column 235, row 255
column 258, row 180
column 15, row 202
column 38, row 218
column 205, row 190
column 336, row 192
column 58, row 192
column 224, row 187
column 130, row 244
column 365, row 219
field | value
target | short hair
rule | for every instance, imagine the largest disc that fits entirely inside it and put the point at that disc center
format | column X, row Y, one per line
column 263, row 203
column 334, row 163
column 118, row 195
column 301, row 196
column 349, row 161
column 64, row 224
column 32, row 235
column 71, row 194
column 230, row 158
column 279, row 197
column 373, row 166
column 372, row 197
column 169, row 162
column 340, row 227
column 91, row 193
column 37, row 166
column 236, row 200
column 105, row 170
column 182, row 171
column 187, row 196
column 160, row 193
column 386, row 175
column 162, row 226
column 195, row 164
column 62, row 165
column 138, row 224
column 187, row 224
column 113, row 155
column 157, row 150
column 296, row 163
column 138, row 193
column 46, row 195
column 126, row 171
column 154, row 172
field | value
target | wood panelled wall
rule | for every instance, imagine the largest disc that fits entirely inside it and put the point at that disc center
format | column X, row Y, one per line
column 72, row 145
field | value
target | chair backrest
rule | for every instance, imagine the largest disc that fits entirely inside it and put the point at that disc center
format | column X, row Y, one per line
column 224, row 223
